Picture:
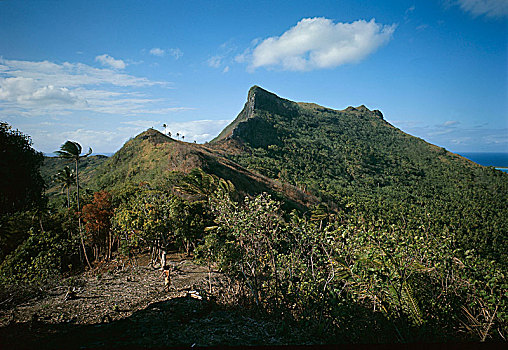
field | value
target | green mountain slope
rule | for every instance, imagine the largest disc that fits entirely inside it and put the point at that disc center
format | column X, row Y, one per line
column 160, row 160
column 355, row 160
column 53, row 165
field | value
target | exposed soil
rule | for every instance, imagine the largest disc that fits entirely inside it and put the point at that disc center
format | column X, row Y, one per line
column 113, row 291
column 125, row 304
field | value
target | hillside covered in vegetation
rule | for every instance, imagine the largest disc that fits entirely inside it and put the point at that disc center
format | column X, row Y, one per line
column 336, row 224
column 52, row 165
column 356, row 162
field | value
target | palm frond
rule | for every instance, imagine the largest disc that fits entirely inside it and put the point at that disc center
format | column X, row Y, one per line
column 69, row 150
column 87, row 153
column 66, row 175
column 72, row 150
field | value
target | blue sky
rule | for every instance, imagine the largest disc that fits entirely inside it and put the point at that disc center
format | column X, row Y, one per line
column 100, row 72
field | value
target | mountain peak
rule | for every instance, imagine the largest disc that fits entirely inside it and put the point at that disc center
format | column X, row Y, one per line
column 256, row 92
column 364, row 110
column 256, row 88
column 259, row 101
column 154, row 136
column 263, row 105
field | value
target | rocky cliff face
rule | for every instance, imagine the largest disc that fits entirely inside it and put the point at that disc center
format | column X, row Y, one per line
column 258, row 100
column 253, row 123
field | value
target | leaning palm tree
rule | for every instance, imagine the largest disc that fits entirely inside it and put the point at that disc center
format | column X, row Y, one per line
column 72, row 150
column 65, row 177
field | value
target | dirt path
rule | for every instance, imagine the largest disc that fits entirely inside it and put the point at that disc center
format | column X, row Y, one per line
column 110, row 292
column 119, row 305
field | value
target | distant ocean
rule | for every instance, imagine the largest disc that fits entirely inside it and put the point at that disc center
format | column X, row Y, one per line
column 496, row 159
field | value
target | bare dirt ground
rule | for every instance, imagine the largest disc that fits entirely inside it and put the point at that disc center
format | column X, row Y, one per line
column 124, row 303
column 112, row 291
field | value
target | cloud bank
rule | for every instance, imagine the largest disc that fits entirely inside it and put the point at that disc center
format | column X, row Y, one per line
column 29, row 88
column 193, row 130
column 317, row 43
column 54, row 102
column 26, row 91
column 461, row 137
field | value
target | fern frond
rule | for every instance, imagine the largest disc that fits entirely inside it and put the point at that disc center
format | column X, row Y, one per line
column 412, row 305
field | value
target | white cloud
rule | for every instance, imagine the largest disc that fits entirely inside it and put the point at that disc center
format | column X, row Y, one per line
column 37, row 88
column 48, row 137
column 157, row 52
column 195, row 130
column 223, row 57
column 461, row 141
column 86, row 137
column 52, row 95
column 215, row 61
column 12, row 88
column 498, row 138
column 458, row 136
column 489, row 8
column 247, row 53
column 244, row 56
column 144, row 123
column 316, row 43
column 19, row 90
column 69, row 74
column 449, row 126
column 409, row 13
column 107, row 60
column 176, row 53
column 439, row 132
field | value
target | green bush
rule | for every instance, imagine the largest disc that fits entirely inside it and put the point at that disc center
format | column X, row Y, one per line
column 401, row 285
column 42, row 256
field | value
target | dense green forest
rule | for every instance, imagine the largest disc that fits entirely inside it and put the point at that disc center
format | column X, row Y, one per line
column 333, row 221
column 357, row 162
column 53, row 165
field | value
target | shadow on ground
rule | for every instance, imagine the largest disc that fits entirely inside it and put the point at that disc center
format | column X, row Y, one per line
column 180, row 321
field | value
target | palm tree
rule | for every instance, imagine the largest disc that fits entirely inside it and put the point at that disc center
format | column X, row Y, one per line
column 65, row 178
column 169, row 133
column 183, row 137
column 164, row 126
column 177, row 135
column 72, row 150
